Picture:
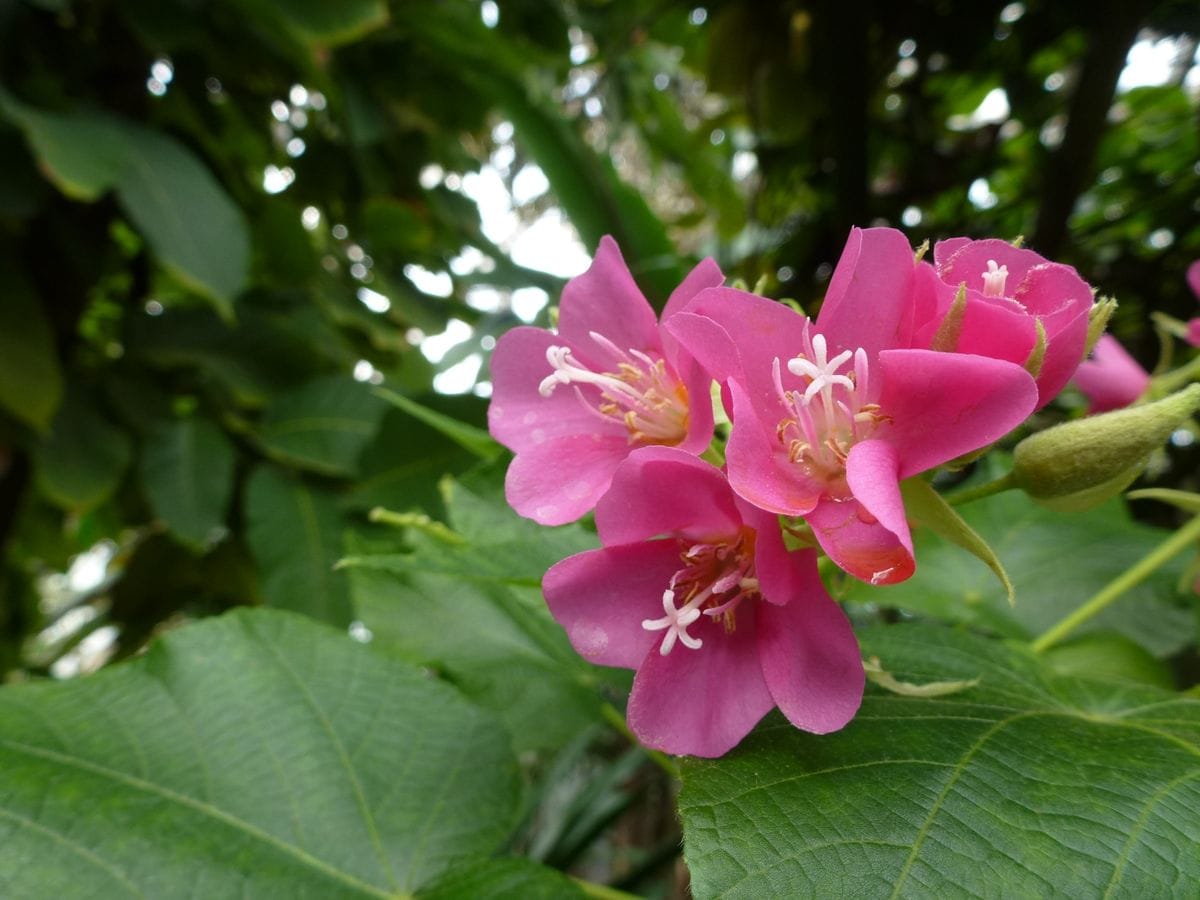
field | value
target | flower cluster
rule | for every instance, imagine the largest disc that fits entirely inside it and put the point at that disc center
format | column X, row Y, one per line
column 910, row 364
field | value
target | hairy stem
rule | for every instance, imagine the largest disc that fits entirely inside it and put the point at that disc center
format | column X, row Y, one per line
column 996, row 486
column 613, row 716
column 1130, row 578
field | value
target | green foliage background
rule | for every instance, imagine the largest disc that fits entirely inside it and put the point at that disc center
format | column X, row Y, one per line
column 190, row 381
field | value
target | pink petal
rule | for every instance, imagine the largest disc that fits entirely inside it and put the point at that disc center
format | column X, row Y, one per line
column 780, row 573
column 872, row 473
column 753, row 332
column 994, row 327
column 870, row 299
column 810, row 657
column 1055, row 293
column 964, row 260
column 518, row 416
column 860, row 544
column 1063, row 300
column 698, row 385
column 702, row 702
column 759, row 469
column 663, row 490
column 1111, row 379
column 1193, row 278
column 706, row 342
column 943, row 405
column 1193, row 332
column 558, row 481
column 605, row 299
column 602, row 596
column 706, row 274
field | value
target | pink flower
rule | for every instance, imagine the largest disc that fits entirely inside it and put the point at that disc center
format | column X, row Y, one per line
column 1112, row 378
column 694, row 589
column 829, row 417
column 1008, row 289
column 572, row 405
column 1193, row 280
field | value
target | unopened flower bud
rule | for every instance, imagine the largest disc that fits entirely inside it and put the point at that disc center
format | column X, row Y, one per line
column 1077, row 465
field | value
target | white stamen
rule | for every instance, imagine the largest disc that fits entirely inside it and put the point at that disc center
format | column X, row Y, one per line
column 676, row 621
column 821, row 371
column 993, row 279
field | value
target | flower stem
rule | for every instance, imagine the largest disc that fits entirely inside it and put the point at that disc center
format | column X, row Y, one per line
column 601, row 891
column 613, row 716
column 1128, row 579
column 996, row 486
column 1170, row 382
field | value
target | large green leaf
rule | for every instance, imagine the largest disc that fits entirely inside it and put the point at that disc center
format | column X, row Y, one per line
column 187, row 471
column 1027, row 785
column 323, row 425
column 255, row 755
column 469, row 601
column 82, row 460
column 504, row 879
column 295, row 533
column 1055, row 560
column 30, row 377
column 184, row 214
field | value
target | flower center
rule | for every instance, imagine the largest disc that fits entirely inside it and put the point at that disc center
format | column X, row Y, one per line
column 716, row 577
column 830, row 414
column 993, row 279
column 643, row 393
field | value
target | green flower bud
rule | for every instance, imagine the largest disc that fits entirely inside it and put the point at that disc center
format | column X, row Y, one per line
column 1077, row 465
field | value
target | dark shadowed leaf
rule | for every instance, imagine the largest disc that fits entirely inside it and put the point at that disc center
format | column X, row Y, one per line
column 323, row 425
column 81, row 461
column 30, row 376
column 184, row 214
column 187, row 472
column 295, row 533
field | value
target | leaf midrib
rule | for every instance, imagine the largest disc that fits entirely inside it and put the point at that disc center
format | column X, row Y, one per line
column 208, row 810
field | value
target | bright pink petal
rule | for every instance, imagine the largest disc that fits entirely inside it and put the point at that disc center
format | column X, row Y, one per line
column 860, row 544
column 758, row 465
column 706, row 274
column 698, row 385
column 872, row 474
column 518, row 416
column 1063, row 301
column 1193, row 332
column 1111, row 379
column 780, row 573
column 702, row 702
column 810, row 658
column 708, row 343
column 1193, row 278
column 943, row 405
column 870, row 299
column 1055, row 293
column 964, row 260
column 601, row 597
column 558, row 481
column 753, row 332
column 605, row 299
column 995, row 327
column 663, row 490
